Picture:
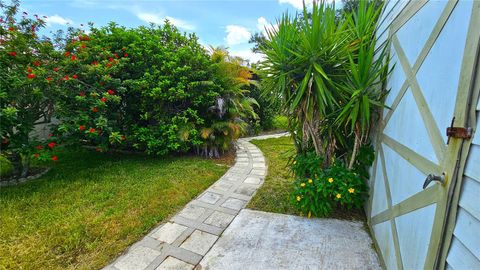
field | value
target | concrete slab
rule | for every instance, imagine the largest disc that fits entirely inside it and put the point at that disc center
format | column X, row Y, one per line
column 199, row 242
column 169, row 232
column 260, row 240
column 172, row 263
column 219, row 219
column 192, row 212
column 210, row 197
column 137, row 258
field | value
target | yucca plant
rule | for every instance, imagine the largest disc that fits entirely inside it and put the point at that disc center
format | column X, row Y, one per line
column 367, row 70
column 329, row 76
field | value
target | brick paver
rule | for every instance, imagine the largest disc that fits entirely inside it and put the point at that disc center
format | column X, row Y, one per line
column 182, row 242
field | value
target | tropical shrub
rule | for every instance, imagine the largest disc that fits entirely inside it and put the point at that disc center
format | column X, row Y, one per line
column 227, row 120
column 152, row 89
column 27, row 87
column 280, row 122
column 323, row 68
column 321, row 192
column 330, row 74
column 90, row 108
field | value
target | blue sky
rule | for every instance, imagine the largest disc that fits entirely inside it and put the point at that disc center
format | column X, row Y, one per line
column 228, row 23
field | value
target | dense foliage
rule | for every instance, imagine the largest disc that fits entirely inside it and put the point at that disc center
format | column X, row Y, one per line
column 317, row 191
column 151, row 89
column 27, row 89
column 329, row 74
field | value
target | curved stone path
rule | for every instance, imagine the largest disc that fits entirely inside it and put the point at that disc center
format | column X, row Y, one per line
column 182, row 242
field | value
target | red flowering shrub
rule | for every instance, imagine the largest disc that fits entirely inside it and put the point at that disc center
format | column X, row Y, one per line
column 26, row 95
column 89, row 99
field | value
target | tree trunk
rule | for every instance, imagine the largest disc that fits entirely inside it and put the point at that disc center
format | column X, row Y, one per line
column 25, row 159
column 356, row 146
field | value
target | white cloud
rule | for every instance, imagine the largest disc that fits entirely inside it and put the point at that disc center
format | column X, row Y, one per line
column 296, row 3
column 180, row 23
column 150, row 17
column 237, row 34
column 57, row 19
column 247, row 54
column 157, row 19
column 263, row 25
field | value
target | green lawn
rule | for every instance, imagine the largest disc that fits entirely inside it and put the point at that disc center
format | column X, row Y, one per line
column 90, row 207
column 274, row 195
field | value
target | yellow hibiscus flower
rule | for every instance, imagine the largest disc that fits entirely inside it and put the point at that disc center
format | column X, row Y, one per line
column 330, row 180
column 298, row 198
column 351, row 190
column 339, row 195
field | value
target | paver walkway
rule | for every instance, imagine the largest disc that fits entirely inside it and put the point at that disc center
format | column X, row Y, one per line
column 182, row 242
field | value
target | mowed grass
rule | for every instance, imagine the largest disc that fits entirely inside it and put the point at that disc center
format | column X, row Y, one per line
column 90, row 207
column 274, row 194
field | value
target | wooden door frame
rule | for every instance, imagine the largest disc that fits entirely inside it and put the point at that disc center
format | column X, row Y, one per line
column 447, row 157
column 471, row 73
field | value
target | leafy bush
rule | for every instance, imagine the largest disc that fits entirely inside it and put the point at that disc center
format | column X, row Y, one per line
column 280, row 122
column 6, row 167
column 152, row 89
column 27, row 85
column 318, row 191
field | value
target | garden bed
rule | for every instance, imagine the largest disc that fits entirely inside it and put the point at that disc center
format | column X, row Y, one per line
column 275, row 193
column 90, row 207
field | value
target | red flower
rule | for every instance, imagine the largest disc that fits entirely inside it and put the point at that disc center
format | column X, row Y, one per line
column 29, row 70
column 55, row 69
column 67, row 53
column 83, row 46
column 116, row 55
column 54, row 158
column 94, row 109
column 52, row 145
column 109, row 65
column 49, row 79
column 95, row 63
column 82, row 94
column 65, row 78
column 31, row 76
column 74, row 76
column 13, row 53
column 36, row 155
column 50, row 135
column 81, row 128
column 73, row 58
column 110, row 59
column 36, row 63
column 91, row 130
column 110, row 92
column 11, row 29
column 125, row 55
column 103, row 99
column 39, row 147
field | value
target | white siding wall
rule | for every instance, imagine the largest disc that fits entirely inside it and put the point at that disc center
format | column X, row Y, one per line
column 464, row 250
